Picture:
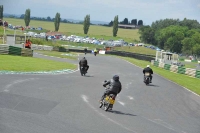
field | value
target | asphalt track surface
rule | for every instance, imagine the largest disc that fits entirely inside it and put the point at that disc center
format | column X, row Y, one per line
column 68, row 103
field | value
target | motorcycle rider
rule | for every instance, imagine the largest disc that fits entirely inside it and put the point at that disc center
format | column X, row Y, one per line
column 85, row 50
column 149, row 70
column 95, row 51
column 83, row 63
column 114, row 87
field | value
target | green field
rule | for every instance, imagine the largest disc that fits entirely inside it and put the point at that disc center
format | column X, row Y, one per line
column 29, row 64
column 94, row 31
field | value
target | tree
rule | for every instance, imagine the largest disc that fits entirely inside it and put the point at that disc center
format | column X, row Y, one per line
column 115, row 26
column 126, row 21
column 140, row 22
column 191, row 24
column 27, row 17
column 48, row 18
column 111, row 23
column 57, row 21
column 134, row 21
column 1, row 11
column 86, row 24
column 146, row 34
column 22, row 16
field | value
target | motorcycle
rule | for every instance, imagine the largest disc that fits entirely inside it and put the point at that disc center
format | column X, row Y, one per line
column 147, row 78
column 108, row 101
column 83, row 71
column 95, row 53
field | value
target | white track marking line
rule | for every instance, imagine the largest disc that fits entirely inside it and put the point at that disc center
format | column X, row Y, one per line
column 131, row 98
column 85, row 98
column 159, row 123
column 167, row 79
column 17, row 82
column 123, row 104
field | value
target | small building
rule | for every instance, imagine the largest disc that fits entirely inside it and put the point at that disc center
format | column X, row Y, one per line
column 127, row 26
column 166, row 57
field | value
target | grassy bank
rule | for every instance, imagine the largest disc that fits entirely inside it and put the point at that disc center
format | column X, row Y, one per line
column 192, row 83
column 28, row 64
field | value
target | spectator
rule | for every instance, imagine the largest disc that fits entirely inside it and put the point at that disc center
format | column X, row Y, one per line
column 28, row 44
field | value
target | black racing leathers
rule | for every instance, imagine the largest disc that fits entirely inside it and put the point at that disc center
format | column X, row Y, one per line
column 149, row 70
column 83, row 62
column 114, row 88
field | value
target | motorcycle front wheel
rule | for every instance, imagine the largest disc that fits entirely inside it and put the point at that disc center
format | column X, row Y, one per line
column 107, row 107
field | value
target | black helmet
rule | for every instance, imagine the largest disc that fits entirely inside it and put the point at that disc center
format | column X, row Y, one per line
column 116, row 77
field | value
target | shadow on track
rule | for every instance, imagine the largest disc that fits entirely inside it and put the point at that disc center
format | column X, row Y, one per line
column 153, row 85
column 88, row 76
column 121, row 113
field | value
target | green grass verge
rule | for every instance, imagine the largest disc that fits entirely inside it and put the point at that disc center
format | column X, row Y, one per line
column 140, row 50
column 29, row 64
column 68, row 55
column 181, row 79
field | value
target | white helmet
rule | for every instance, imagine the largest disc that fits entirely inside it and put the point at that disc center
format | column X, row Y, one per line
column 148, row 65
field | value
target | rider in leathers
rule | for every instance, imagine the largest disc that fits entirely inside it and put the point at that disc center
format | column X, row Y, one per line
column 83, row 62
column 114, row 87
column 149, row 70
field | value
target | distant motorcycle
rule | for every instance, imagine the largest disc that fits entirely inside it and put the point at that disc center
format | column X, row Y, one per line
column 147, row 78
column 108, row 101
column 95, row 53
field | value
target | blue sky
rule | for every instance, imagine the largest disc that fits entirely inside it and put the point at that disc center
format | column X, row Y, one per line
column 105, row 10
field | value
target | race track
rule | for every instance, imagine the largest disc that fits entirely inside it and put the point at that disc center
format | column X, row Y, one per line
column 68, row 103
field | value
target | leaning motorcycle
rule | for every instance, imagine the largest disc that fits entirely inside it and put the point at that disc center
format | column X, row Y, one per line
column 95, row 53
column 147, row 78
column 108, row 101
column 83, row 71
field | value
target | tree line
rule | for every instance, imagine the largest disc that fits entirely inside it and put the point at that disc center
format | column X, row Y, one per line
column 126, row 22
column 173, row 35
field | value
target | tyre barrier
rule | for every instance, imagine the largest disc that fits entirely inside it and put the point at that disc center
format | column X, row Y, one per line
column 197, row 74
column 181, row 70
column 14, row 50
column 174, row 68
column 161, row 64
column 177, row 69
column 27, row 52
column 156, row 63
column 167, row 66
column 190, row 72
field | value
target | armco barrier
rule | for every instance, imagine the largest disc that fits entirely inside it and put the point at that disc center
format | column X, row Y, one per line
column 26, row 52
column 4, row 49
